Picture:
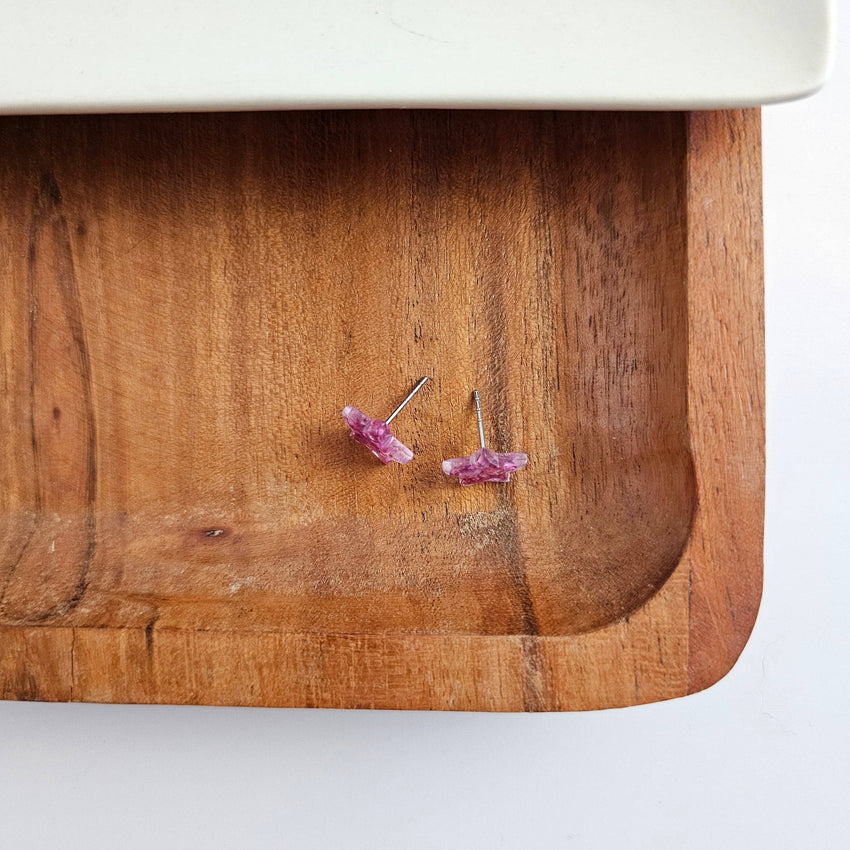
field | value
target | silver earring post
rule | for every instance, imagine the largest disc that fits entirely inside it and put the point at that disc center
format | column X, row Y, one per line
column 483, row 464
column 410, row 395
column 478, row 416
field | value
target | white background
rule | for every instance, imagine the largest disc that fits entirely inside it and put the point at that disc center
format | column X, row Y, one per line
column 761, row 760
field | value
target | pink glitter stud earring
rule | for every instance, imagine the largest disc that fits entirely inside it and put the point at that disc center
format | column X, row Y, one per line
column 484, row 465
column 375, row 433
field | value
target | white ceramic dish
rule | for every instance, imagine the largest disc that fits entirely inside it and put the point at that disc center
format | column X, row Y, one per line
column 117, row 55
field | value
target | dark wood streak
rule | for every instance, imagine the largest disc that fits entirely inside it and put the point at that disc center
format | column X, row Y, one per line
column 534, row 690
column 49, row 219
column 498, row 420
column 149, row 636
column 73, row 310
column 533, row 682
column 497, row 425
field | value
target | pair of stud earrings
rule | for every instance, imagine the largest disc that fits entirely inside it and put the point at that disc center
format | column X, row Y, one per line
column 481, row 466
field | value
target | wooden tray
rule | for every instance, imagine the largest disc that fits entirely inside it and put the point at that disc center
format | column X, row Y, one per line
column 188, row 303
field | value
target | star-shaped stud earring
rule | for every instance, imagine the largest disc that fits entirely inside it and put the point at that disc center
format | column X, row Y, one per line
column 484, row 465
column 375, row 433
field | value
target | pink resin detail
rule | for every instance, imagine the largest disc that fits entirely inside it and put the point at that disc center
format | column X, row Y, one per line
column 375, row 435
column 485, row 465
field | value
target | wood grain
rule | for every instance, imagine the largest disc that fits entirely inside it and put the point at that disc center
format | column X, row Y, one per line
column 189, row 301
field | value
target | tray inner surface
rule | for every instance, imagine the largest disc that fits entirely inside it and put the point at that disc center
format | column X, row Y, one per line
column 189, row 302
